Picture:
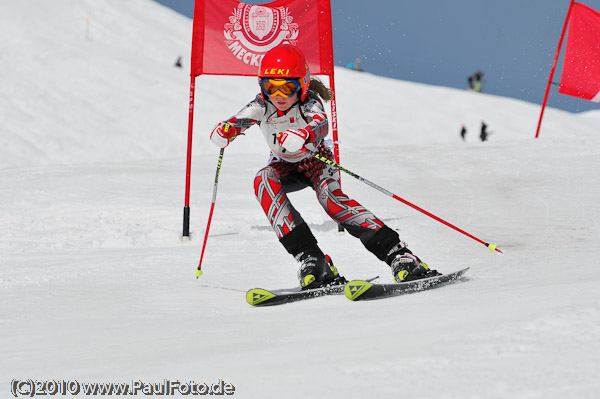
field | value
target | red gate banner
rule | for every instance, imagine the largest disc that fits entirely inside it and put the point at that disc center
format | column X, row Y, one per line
column 581, row 69
column 230, row 37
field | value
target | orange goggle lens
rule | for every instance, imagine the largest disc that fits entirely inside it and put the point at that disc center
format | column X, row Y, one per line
column 283, row 87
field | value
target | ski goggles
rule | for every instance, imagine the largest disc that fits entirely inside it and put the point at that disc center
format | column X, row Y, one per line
column 283, row 87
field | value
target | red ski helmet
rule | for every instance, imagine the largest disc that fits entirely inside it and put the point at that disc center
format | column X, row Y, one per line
column 285, row 62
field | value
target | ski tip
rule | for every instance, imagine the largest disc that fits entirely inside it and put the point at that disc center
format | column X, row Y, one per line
column 198, row 273
column 355, row 288
column 257, row 296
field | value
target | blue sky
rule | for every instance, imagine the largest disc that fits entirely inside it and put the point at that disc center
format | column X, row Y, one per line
column 441, row 42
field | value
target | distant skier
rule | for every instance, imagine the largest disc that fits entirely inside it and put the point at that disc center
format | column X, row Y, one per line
column 356, row 65
column 463, row 132
column 484, row 133
column 478, row 82
column 291, row 116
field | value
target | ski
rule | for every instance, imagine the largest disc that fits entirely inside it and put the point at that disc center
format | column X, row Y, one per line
column 358, row 290
column 262, row 297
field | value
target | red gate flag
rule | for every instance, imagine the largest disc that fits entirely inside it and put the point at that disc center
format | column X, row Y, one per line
column 581, row 69
column 230, row 37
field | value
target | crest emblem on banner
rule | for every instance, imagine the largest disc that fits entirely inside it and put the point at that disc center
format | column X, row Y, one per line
column 253, row 30
column 260, row 23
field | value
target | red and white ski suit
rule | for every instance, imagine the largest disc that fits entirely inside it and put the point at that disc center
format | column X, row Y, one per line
column 287, row 172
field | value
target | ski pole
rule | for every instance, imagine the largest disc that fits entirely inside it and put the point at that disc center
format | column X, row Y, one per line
column 492, row 247
column 198, row 272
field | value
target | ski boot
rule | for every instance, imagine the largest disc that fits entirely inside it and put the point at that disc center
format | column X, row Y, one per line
column 408, row 267
column 317, row 270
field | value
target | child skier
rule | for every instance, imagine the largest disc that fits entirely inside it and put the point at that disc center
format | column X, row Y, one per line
column 292, row 119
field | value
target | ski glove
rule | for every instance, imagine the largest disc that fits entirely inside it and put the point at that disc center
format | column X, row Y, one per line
column 223, row 133
column 293, row 140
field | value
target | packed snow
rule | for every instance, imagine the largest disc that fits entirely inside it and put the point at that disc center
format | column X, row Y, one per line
column 97, row 285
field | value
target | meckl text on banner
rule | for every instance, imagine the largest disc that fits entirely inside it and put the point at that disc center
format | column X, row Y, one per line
column 231, row 38
column 581, row 69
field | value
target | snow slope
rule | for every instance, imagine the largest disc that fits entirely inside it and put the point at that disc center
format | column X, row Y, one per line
column 96, row 285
